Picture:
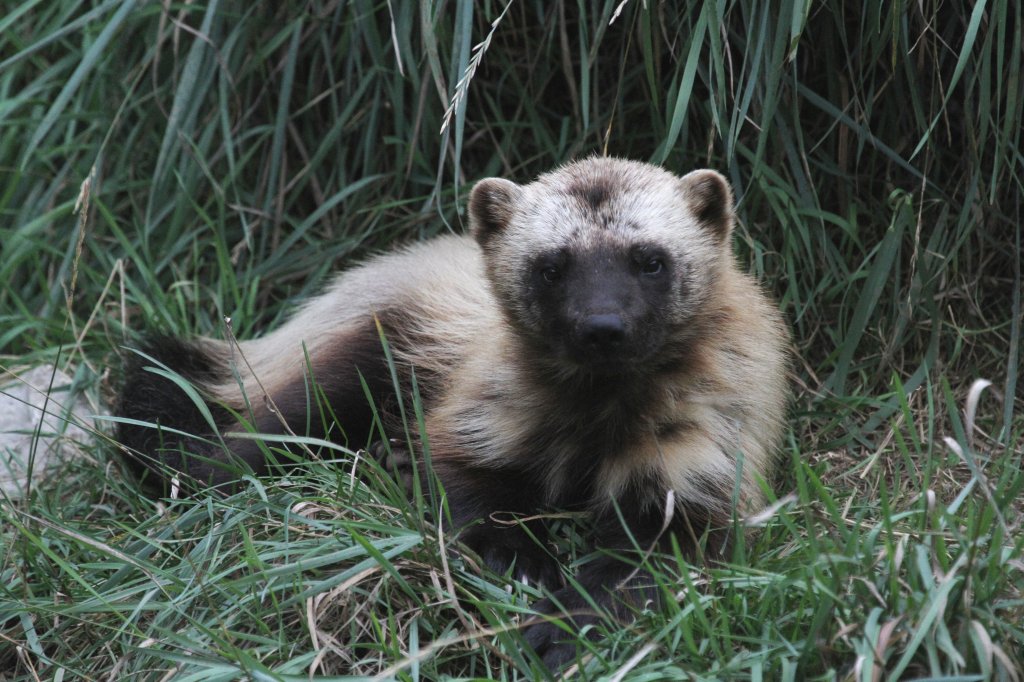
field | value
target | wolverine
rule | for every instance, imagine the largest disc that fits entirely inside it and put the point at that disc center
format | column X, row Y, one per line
column 592, row 345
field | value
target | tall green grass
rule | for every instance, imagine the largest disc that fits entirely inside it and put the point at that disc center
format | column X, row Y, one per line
column 224, row 157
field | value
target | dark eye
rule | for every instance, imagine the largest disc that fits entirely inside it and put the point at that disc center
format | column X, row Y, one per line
column 551, row 274
column 654, row 266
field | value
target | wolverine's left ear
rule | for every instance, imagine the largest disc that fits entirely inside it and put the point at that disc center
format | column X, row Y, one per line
column 491, row 205
column 710, row 200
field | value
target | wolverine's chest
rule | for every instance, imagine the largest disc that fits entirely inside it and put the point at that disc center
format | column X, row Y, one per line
column 572, row 444
column 580, row 456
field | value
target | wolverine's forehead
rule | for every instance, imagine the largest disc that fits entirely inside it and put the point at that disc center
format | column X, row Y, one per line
column 601, row 201
column 592, row 192
column 597, row 185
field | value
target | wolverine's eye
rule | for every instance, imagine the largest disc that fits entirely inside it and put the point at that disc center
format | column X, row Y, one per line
column 551, row 274
column 654, row 266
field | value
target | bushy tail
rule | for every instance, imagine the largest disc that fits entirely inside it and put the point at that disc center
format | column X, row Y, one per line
column 173, row 433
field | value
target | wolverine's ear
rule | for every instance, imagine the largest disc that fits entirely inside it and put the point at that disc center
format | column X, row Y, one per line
column 491, row 205
column 710, row 200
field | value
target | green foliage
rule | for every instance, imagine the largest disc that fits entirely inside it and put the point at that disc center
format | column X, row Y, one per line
column 163, row 165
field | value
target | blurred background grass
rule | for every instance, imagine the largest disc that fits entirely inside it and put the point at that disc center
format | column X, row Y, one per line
column 166, row 164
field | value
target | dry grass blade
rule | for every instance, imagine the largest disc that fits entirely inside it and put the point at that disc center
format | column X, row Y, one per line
column 462, row 86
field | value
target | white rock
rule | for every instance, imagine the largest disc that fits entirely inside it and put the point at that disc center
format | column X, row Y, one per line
column 30, row 435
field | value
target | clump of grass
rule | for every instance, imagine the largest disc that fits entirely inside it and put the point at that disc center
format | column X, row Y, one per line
column 230, row 157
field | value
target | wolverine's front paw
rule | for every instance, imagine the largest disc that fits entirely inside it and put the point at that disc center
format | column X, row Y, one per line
column 396, row 459
column 502, row 547
column 530, row 564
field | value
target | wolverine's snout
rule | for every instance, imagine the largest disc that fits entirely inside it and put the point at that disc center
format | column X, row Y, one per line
column 602, row 333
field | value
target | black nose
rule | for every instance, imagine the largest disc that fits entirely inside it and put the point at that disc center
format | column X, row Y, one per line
column 602, row 331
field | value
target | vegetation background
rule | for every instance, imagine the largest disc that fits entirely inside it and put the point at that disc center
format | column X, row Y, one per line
column 165, row 164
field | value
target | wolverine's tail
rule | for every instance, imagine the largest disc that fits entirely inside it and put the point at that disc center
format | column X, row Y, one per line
column 170, row 426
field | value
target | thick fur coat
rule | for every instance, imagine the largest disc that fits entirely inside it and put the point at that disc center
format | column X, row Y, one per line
column 592, row 345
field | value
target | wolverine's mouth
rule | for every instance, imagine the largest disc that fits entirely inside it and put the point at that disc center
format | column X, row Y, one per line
column 604, row 360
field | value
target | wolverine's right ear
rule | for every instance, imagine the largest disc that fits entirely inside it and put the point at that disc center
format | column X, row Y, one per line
column 491, row 205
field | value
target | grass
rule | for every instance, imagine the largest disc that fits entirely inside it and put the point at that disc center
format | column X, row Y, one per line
column 225, row 158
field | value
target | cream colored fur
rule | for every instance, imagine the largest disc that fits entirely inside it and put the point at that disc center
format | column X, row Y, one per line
column 730, row 399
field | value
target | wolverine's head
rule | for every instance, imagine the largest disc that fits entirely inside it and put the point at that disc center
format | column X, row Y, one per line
column 603, row 260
